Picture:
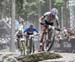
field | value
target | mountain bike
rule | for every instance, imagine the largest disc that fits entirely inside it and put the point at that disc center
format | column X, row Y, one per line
column 30, row 43
column 21, row 42
column 48, row 38
column 22, row 46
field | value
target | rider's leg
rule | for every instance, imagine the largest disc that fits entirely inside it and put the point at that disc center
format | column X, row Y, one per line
column 49, row 32
column 42, row 36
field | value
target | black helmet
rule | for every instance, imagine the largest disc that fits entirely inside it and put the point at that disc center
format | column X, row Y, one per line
column 31, row 25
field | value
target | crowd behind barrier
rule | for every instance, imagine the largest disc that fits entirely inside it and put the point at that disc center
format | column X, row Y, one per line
column 65, row 33
column 65, row 38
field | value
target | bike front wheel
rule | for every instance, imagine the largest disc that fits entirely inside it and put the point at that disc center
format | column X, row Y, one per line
column 51, row 40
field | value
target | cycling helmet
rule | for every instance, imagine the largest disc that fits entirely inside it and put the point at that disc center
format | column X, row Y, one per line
column 31, row 25
column 54, row 11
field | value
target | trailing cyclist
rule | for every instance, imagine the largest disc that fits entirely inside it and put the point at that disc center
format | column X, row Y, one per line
column 19, row 34
column 49, row 18
column 28, row 32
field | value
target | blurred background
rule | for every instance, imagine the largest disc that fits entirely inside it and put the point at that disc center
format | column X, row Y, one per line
column 31, row 10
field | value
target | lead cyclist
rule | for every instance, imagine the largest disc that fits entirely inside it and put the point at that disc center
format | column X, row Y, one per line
column 49, row 18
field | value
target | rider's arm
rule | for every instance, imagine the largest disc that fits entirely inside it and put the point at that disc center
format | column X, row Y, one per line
column 26, row 30
column 41, row 19
column 35, row 30
column 57, row 22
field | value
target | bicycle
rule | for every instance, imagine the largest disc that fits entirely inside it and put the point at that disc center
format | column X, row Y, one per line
column 21, row 42
column 30, row 43
column 23, row 46
column 48, row 38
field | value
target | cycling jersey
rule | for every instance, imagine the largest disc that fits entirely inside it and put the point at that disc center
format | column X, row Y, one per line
column 48, row 19
column 30, row 32
column 20, row 28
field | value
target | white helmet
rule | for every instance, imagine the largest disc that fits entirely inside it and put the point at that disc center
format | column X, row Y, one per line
column 54, row 11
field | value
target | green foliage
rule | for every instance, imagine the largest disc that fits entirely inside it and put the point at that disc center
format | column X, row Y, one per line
column 27, row 8
column 58, row 3
column 39, row 57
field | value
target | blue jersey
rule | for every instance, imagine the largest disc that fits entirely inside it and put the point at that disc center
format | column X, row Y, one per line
column 33, row 30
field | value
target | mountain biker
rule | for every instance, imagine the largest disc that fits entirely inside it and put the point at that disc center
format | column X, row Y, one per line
column 49, row 18
column 30, row 30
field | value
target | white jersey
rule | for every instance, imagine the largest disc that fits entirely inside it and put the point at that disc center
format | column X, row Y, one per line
column 20, row 28
column 47, row 13
column 54, row 20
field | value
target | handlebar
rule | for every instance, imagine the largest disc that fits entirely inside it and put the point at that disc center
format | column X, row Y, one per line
column 33, row 35
column 53, row 27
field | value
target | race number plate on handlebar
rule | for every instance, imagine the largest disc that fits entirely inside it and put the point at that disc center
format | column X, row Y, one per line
column 32, row 36
column 51, row 27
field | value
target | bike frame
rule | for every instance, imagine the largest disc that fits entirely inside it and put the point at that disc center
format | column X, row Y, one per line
column 30, row 43
column 48, row 40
